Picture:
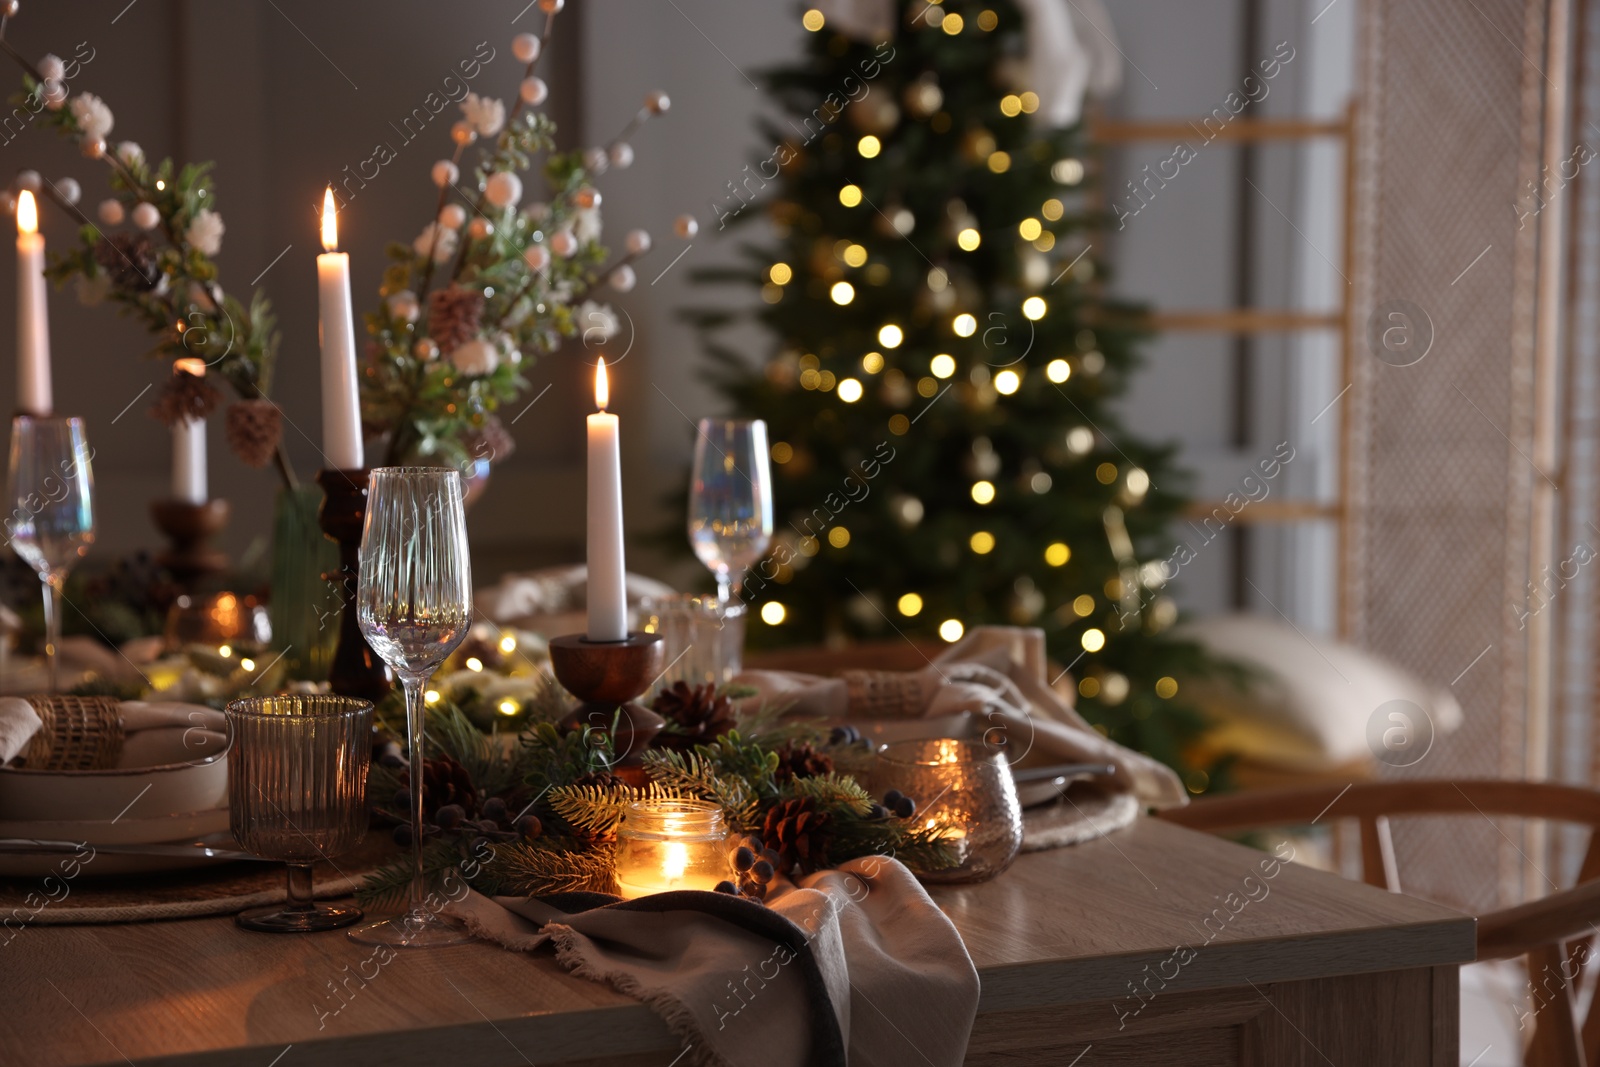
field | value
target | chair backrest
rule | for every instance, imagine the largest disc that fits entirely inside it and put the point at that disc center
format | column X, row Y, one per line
column 1554, row 933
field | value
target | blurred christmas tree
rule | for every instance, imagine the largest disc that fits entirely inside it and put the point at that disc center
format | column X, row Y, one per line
column 944, row 445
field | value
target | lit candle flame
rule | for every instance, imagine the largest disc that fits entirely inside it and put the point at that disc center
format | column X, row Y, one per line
column 602, row 387
column 196, row 366
column 330, row 223
column 675, row 862
column 27, row 213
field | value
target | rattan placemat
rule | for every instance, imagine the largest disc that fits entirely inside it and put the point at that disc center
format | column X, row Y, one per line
column 1086, row 811
column 221, row 890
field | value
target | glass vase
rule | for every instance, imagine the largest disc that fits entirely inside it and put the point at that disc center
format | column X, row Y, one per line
column 305, row 607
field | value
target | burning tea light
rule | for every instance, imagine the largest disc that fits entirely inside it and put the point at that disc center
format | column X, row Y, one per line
column 665, row 845
column 965, row 793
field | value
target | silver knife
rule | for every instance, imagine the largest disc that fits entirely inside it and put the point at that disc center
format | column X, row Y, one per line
column 33, row 846
column 1064, row 771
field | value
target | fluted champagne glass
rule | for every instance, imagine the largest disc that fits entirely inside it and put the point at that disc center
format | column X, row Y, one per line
column 52, row 524
column 730, row 499
column 414, row 606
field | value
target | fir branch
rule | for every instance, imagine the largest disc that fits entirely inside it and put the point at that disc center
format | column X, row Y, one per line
column 390, row 883
column 835, row 793
column 532, row 869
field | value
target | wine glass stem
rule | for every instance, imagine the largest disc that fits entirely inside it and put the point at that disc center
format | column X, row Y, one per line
column 52, row 629
column 412, row 684
column 300, row 897
column 724, row 586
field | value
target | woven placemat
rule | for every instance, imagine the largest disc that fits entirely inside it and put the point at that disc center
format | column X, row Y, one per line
column 1084, row 812
column 221, row 890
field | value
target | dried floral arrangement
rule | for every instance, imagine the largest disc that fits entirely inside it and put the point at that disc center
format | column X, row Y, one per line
column 492, row 281
column 541, row 816
column 151, row 255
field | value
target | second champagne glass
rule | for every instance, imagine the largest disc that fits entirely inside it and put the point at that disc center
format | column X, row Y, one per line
column 52, row 525
column 730, row 499
column 414, row 605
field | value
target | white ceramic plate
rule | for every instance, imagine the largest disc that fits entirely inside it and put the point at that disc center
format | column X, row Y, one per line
column 131, row 830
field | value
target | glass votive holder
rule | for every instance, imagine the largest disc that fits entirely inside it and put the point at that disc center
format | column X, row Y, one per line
column 963, row 788
column 703, row 639
column 665, row 845
column 297, row 792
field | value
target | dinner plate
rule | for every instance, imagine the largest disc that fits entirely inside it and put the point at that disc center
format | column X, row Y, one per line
column 44, row 865
column 130, row 830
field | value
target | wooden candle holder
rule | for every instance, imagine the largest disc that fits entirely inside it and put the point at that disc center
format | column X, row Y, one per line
column 189, row 529
column 356, row 670
column 607, row 676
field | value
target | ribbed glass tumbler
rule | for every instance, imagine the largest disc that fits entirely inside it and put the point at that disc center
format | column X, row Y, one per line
column 297, row 782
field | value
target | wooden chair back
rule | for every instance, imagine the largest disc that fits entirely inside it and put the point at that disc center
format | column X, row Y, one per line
column 1555, row 933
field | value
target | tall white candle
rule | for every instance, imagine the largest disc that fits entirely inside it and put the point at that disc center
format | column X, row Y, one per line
column 341, row 397
column 607, row 589
column 189, row 460
column 33, row 318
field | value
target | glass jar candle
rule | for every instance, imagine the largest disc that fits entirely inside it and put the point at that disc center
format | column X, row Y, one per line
column 665, row 845
column 963, row 790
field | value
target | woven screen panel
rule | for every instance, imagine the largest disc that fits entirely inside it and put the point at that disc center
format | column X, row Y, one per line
column 1440, row 487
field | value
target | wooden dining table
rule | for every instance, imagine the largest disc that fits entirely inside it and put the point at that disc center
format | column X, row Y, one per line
column 1153, row 946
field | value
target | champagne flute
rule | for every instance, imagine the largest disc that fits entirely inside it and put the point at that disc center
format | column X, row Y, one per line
column 52, row 525
column 730, row 499
column 414, row 606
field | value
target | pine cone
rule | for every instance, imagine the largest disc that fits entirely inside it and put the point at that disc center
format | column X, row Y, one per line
column 490, row 441
column 129, row 260
column 696, row 715
column 444, row 781
column 254, row 429
column 185, row 396
column 801, row 760
column 454, row 315
column 799, row 833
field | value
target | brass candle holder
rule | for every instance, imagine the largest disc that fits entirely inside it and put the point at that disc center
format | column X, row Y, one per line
column 189, row 529
column 608, row 676
column 356, row 670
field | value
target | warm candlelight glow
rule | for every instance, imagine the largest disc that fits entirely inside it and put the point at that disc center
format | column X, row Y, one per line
column 190, row 365
column 27, row 213
column 667, row 845
column 330, row 223
column 602, row 388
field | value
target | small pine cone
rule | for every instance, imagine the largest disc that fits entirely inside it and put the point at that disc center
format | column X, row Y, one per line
column 697, row 715
column 444, row 781
column 454, row 316
column 185, row 396
column 254, row 429
column 129, row 260
column 799, row 833
column 491, row 441
column 800, row 760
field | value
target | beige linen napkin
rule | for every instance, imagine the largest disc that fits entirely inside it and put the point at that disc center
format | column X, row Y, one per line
column 996, row 672
column 855, row 958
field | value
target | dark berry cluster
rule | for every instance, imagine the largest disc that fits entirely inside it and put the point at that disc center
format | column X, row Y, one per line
column 754, row 865
column 894, row 803
column 494, row 822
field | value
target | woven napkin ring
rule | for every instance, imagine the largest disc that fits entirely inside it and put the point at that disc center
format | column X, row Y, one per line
column 887, row 694
column 79, row 733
